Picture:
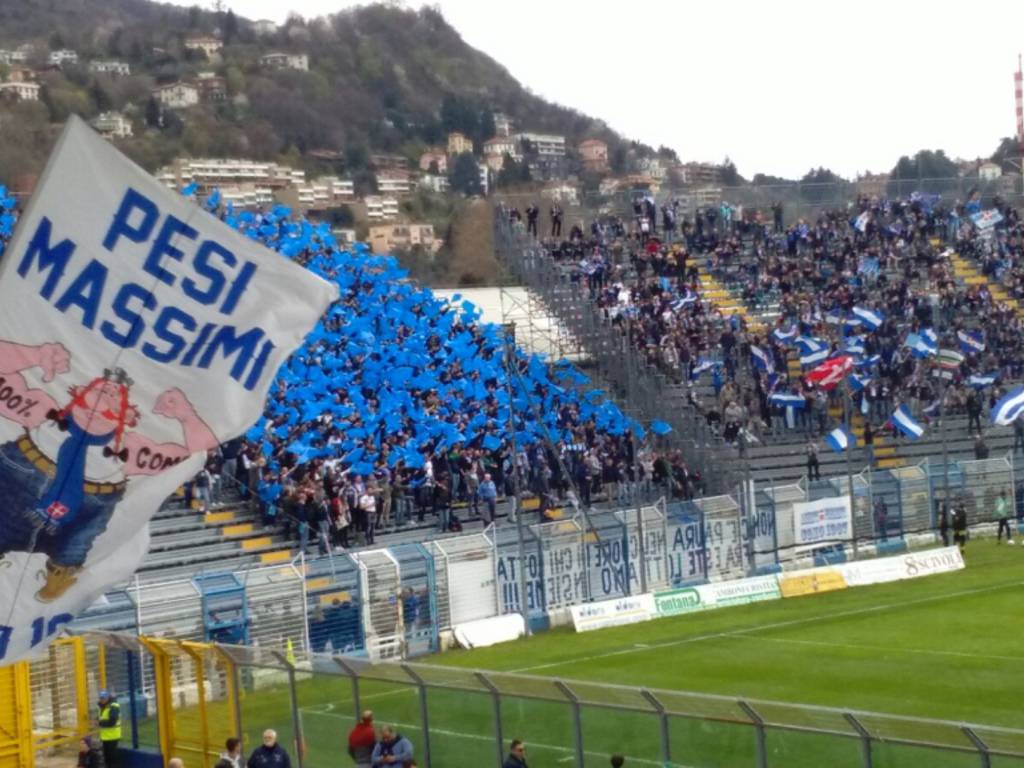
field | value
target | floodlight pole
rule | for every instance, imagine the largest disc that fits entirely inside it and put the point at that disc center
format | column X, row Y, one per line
column 516, row 495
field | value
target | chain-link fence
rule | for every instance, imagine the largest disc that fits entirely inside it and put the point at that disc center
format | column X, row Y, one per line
column 457, row 716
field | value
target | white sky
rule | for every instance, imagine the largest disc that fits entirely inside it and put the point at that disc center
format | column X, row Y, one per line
column 779, row 87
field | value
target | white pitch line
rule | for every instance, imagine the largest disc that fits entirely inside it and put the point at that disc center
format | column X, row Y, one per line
column 763, row 627
column 478, row 737
column 914, row 651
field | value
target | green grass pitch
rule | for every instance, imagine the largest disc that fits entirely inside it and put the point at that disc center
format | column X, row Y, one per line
column 948, row 646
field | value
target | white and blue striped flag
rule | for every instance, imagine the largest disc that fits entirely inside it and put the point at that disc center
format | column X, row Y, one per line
column 703, row 365
column 872, row 318
column 761, row 359
column 835, row 317
column 867, row 362
column 813, row 358
column 921, row 345
column 858, row 381
column 685, row 300
column 1009, row 407
column 971, row 342
column 840, row 438
column 788, row 400
column 783, row 336
column 855, row 345
column 982, row 380
column 809, row 344
column 904, row 422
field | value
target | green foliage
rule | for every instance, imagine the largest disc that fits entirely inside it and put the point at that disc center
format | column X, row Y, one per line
column 926, row 164
column 465, row 175
column 382, row 77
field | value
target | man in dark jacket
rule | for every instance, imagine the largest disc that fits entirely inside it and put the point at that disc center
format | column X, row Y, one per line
column 516, row 755
column 270, row 754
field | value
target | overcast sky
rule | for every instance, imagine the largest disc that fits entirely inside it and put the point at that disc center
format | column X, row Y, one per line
column 779, row 87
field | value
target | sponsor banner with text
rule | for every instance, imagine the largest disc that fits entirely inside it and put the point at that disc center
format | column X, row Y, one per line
column 612, row 613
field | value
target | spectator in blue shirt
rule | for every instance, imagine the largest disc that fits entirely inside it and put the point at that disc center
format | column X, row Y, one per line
column 392, row 749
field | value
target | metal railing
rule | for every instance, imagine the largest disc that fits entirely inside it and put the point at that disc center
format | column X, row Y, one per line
column 398, row 602
column 458, row 716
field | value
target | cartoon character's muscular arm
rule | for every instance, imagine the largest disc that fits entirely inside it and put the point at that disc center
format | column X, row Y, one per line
column 23, row 404
column 148, row 457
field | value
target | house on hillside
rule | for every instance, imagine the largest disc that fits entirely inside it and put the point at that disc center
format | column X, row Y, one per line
column 62, row 57
column 394, row 182
column 434, row 183
column 544, row 144
column 112, row 125
column 989, row 171
column 437, row 156
column 118, row 68
column 264, row 27
column 177, row 95
column 495, row 150
column 296, row 61
column 211, row 46
column 19, row 91
column 458, row 144
column 594, row 154
column 385, row 238
column 502, row 124
column 212, row 89
column 381, row 208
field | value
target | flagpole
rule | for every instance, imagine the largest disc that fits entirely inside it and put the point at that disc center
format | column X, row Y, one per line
column 849, row 468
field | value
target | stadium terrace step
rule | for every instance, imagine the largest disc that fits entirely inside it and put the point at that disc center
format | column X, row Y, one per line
column 891, row 463
column 277, row 556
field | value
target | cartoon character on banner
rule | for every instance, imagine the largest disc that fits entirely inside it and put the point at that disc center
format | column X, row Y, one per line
column 63, row 478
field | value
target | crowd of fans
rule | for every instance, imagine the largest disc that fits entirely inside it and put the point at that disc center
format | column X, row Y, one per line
column 890, row 257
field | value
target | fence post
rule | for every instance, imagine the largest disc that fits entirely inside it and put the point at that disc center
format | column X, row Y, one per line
column 981, row 746
column 235, row 689
column 353, row 678
column 666, row 741
column 865, row 738
column 300, row 745
column 499, row 737
column 424, row 711
column 577, row 723
column 129, row 658
column 758, row 722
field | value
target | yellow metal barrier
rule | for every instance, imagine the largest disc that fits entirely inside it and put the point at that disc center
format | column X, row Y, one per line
column 16, row 748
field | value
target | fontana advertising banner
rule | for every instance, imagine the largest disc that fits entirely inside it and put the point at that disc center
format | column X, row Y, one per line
column 136, row 332
column 823, row 521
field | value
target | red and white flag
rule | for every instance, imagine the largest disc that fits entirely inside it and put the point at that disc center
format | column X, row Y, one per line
column 831, row 372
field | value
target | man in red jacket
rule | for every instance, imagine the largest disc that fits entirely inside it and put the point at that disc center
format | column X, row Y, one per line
column 361, row 740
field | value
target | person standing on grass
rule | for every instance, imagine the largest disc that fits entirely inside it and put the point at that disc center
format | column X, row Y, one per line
column 1002, row 515
column 392, row 749
column 516, row 755
column 944, row 523
column 361, row 740
column 960, row 525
